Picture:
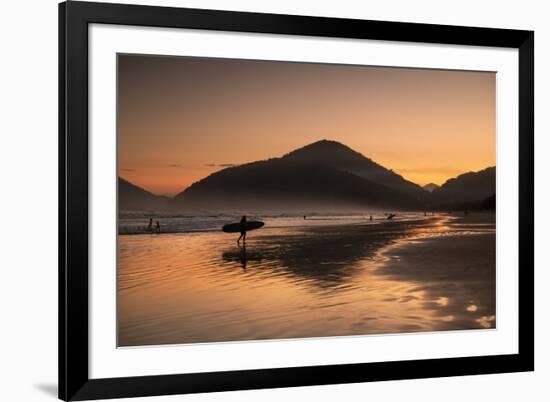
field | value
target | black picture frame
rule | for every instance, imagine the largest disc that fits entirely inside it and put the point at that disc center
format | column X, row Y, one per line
column 74, row 381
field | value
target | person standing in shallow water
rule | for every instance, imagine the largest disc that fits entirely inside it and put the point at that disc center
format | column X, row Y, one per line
column 158, row 227
column 243, row 231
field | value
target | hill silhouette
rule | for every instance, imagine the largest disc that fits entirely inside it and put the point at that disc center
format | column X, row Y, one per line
column 467, row 187
column 275, row 184
column 132, row 197
column 322, row 175
column 341, row 157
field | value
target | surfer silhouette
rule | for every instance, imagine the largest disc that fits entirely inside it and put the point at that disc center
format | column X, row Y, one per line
column 242, row 227
column 150, row 226
column 243, row 230
column 158, row 227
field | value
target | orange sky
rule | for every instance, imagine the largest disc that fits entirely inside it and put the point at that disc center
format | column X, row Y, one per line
column 180, row 119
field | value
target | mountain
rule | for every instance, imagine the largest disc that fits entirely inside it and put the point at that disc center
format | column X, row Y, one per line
column 322, row 175
column 341, row 157
column 430, row 187
column 132, row 197
column 468, row 187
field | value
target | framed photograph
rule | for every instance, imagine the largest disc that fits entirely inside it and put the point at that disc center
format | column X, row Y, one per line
column 258, row 201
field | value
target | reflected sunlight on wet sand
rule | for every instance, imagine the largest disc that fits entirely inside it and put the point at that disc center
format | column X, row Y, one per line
column 426, row 275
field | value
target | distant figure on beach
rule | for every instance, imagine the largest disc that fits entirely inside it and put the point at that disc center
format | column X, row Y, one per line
column 390, row 216
column 370, row 218
column 157, row 229
column 424, row 213
column 150, row 226
column 243, row 230
column 304, row 217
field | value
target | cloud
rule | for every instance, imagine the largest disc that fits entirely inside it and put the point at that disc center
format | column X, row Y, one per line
column 128, row 170
column 223, row 165
column 175, row 165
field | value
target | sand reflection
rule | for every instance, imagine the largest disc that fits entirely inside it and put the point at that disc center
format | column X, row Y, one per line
column 307, row 282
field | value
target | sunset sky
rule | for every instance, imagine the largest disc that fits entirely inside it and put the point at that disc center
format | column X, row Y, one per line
column 180, row 118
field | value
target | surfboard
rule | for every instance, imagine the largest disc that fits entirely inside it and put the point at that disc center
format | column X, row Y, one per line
column 238, row 227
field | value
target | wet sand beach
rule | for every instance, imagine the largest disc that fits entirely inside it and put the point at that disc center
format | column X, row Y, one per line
column 428, row 274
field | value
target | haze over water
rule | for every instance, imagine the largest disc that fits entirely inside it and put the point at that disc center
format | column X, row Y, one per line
column 295, row 279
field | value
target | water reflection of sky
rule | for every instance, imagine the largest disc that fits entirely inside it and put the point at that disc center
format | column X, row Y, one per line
column 428, row 275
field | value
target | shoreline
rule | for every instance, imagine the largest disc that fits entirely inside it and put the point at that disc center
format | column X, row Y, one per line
column 276, row 223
